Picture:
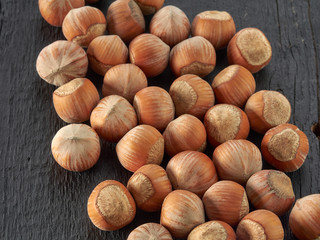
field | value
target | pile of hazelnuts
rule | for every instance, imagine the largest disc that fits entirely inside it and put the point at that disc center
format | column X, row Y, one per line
column 147, row 121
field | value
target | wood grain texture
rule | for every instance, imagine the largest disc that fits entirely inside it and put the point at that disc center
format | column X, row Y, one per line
column 40, row 200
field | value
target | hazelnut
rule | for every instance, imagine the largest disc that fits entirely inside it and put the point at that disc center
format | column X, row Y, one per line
column 213, row 230
column 150, row 231
column 62, row 61
column 82, row 25
column 226, row 197
column 184, row 133
column 113, row 117
column 271, row 190
column 195, row 55
column 75, row 100
column 149, row 185
column 304, row 218
column 76, row 147
column 140, row 146
column 124, row 80
column 216, row 26
column 149, row 7
column 150, row 53
column 154, row 107
column 234, row 85
column 225, row 122
column 54, row 11
column 105, row 52
column 237, row 160
column 125, row 19
column 192, row 171
column 181, row 212
column 267, row 109
column 110, row 206
column 171, row 25
column 249, row 48
column 191, row 94
column 260, row 224
column 285, row 147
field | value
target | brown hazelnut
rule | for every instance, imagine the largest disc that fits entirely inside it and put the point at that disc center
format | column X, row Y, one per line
column 234, row 85
column 113, row 117
column 226, row 197
column 285, row 147
column 184, row 133
column 216, row 26
column 76, row 147
column 140, row 146
column 124, row 80
column 150, row 231
column 171, row 25
column 110, row 206
column 195, row 55
column 249, row 48
column 54, row 11
column 62, row 61
column 75, row 100
column 212, row 230
column 267, row 109
column 225, row 122
column 149, row 185
column 149, row 7
column 271, row 190
column 82, row 25
column 192, row 95
column 192, row 171
column 105, row 52
column 154, row 107
column 125, row 19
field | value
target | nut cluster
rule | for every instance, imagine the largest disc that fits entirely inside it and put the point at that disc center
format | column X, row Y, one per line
column 146, row 122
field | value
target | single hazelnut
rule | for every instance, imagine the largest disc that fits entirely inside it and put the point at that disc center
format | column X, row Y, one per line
column 154, row 107
column 237, row 160
column 149, row 7
column 125, row 19
column 213, row 230
column 149, row 185
column 76, row 147
column 140, row 146
column 226, row 201
column 54, row 11
column 192, row 171
column 271, row 190
column 150, row 231
column 234, row 85
column 149, row 53
column 75, row 100
column 285, row 147
column 110, row 206
column 225, row 122
column 249, row 48
column 82, row 25
column 124, row 80
column 181, row 212
column 216, row 26
column 62, row 61
column 195, row 55
column 113, row 117
column 304, row 218
column 184, row 133
column 105, row 52
column 267, row 109
column 192, row 95
column 171, row 25
column 260, row 224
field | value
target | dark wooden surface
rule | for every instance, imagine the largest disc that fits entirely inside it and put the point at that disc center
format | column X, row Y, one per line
column 40, row 200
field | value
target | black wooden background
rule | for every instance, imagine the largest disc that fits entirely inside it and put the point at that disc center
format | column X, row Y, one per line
column 40, row 200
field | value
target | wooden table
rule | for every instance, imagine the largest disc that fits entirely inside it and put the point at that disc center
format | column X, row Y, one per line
column 40, row 200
